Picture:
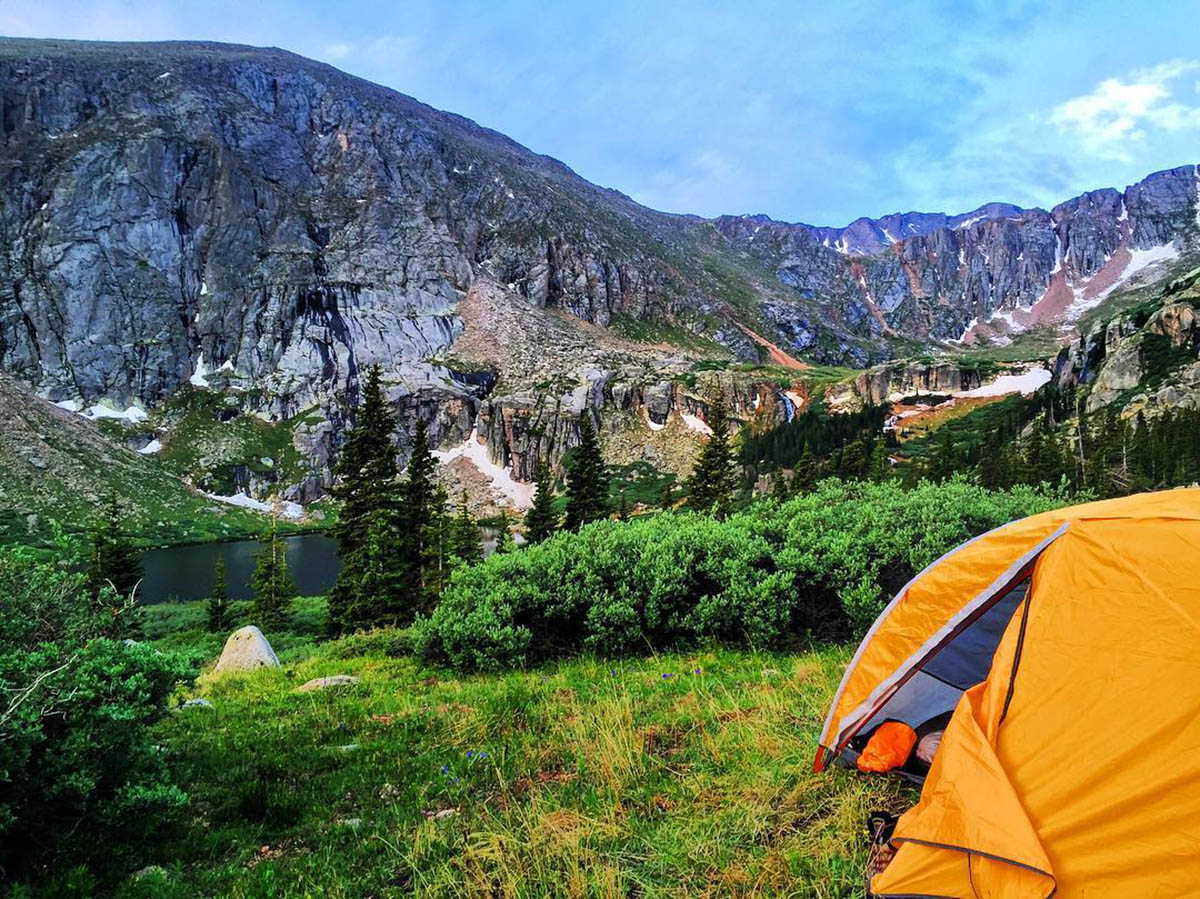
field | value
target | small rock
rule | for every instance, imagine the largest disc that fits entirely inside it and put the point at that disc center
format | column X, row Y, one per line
column 352, row 822
column 349, row 747
column 158, row 872
column 441, row 813
column 322, row 683
column 198, row 703
column 245, row 650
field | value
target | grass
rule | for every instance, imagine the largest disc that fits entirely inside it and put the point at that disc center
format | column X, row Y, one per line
column 968, row 430
column 674, row 775
column 207, row 441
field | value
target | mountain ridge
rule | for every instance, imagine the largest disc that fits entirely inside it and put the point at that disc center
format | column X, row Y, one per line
column 246, row 221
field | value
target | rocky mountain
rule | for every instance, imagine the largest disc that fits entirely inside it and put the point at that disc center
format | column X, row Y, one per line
column 990, row 273
column 199, row 217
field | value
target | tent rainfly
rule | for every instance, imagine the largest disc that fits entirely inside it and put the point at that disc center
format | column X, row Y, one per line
column 1067, row 646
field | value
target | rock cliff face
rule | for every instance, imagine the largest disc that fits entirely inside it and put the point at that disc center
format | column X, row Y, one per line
column 991, row 272
column 889, row 382
column 1146, row 360
column 244, row 220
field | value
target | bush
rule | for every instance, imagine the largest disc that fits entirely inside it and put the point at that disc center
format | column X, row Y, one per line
column 820, row 565
column 392, row 642
column 78, row 769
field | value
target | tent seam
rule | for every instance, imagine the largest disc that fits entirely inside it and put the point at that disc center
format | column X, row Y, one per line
column 1010, row 575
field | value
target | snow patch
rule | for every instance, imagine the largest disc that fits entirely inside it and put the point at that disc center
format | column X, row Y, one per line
column 519, row 493
column 203, row 288
column 650, row 422
column 227, row 366
column 1025, row 383
column 1140, row 259
column 198, row 378
column 151, row 448
column 695, row 423
column 889, row 237
column 133, row 414
column 245, row 501
column 969, row 222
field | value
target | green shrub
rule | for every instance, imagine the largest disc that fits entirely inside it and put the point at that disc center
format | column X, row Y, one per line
column 820, row 565
column 392, row 642
column 79, row 772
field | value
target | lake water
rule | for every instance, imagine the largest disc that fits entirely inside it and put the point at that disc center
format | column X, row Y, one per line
column 186, row 572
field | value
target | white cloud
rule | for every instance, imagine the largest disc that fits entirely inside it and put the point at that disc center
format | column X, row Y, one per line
column 1121, row 112
column 335, row 52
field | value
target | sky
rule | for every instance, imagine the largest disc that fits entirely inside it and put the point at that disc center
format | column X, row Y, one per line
column 819, row 112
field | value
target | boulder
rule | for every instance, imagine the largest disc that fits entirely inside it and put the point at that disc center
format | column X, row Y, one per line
column 246, row 650
column 197, row 704
column 324, row 683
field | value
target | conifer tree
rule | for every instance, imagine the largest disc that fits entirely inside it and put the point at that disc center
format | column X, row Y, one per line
column 438, row 553
column 587, row 481
column 218, row 603
column 806, row 472
column 714, row 478
column 878, row 468
column 623, row 506
column 422, row 514
column 271, row 582
column 370, row 514
column 504, row 540
column 366, row 469
column 114, row 561
column 854, row 459
column 465, row 544
column 541, row 521
column 781, row 487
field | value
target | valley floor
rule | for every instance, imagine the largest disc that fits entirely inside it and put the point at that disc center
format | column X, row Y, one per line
column 671, row 775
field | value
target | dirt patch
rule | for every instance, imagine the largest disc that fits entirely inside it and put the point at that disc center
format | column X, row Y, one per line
column 774, row 353
column 920, row 420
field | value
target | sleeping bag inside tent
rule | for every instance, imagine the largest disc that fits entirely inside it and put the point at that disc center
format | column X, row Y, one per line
column 1067, row 647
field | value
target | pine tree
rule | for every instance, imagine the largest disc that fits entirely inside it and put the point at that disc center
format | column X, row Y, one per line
column 806, row 473
column 879, row 466
column 781, row 487
column 218, row 603
column 541, row 521
column 504, row 540
column 438, row 553
column 114, row 561
column 465, row 543
column 587, row 481
column 424, row 505
column 854, row 460
column 366, row 469
column 370, row 513
column 623, row 506
column 271, row 582
column 714, row 478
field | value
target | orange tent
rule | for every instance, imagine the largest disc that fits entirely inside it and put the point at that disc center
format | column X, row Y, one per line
column 1068, row 647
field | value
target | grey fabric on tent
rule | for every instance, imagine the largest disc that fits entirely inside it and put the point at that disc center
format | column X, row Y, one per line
column 938, row 682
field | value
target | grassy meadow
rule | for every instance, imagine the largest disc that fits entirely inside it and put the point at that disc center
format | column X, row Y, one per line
column 669, row 775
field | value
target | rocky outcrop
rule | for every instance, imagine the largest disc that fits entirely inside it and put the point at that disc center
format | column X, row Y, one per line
column 889, row 382
column 246, row 650
column 523, row 429
column 989, row 272
column 1144, row 359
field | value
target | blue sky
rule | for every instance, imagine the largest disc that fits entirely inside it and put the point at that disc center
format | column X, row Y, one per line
column 816, row 112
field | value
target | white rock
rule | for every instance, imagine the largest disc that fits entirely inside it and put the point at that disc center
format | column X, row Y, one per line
column 246, row 650
column 322, row 683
